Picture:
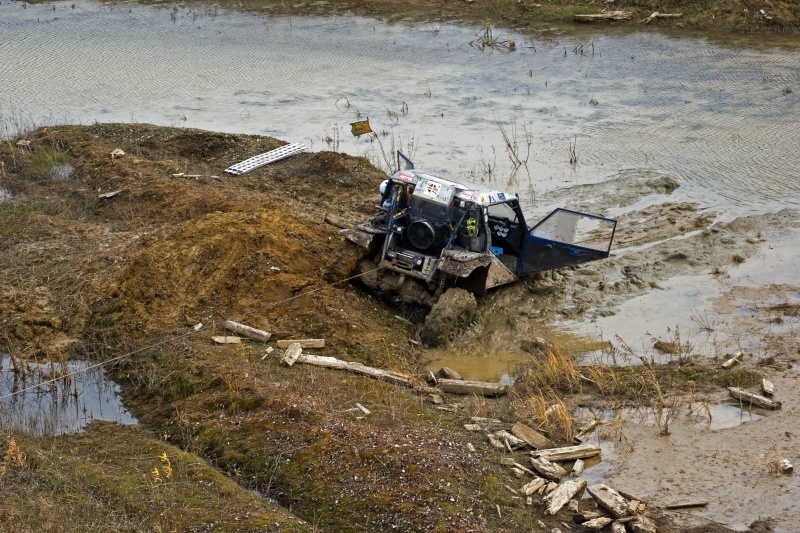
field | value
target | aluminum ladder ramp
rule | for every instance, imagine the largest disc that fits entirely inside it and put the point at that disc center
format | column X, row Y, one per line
column 266, row 158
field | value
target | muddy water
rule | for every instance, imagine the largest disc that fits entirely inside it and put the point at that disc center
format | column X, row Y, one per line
column 46, row 399
column 718, row 115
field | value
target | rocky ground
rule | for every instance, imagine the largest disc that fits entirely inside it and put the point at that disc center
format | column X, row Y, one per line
column 136, row 261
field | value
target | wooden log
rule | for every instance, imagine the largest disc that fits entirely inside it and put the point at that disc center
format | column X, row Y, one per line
column 479, row 388
column 568, row 453
column 577, row 468
column 585, row 430
column 449, row 373
column 733, row 361
column 512, row 441
column 292, row 354
column 563, row 494
column 596, row 524
column 523, row 468
column 767, row 387
column 497, row 443
column 608, row 15
column 224, row 339
column 247, row 331
column 531, row 436
column 610, row 500
column 686, row 505
column 751, row 398
column 533, row 486
column 548, row 469
column 305, row 343
column 358, row 368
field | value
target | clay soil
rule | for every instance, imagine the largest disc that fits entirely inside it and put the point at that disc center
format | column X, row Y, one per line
column 142, row 279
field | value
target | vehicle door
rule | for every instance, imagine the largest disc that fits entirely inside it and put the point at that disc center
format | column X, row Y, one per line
column 566, row 238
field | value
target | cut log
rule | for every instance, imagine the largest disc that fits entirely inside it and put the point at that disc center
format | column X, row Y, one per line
column 358, row 368
column 596, row 524
column 733, row 361
column 247, row 331
column 610, row 500
column 767, row 387
column 449, row 373
column 223, row 339
column 292, row 354
column 479, row 388
column 523, row 468
column 513, row 441
column 568, row 453
column 608, row 15
column 531, row 436
column 533, row 486
column 686, row 505
column 497, row 443
column 751, row 398
column 585, row 430
column 547, row 469
column 563, row 494
column 577, row 468
column 305, row 343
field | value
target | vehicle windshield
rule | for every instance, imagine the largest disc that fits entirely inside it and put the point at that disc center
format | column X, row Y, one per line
column 504, row 210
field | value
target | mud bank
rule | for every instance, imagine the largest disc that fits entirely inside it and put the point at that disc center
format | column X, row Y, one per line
column 142, row 279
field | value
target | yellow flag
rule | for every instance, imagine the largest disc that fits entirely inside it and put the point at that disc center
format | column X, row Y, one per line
column 360, row 128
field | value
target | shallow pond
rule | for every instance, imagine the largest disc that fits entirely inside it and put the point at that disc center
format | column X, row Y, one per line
column 53, row 399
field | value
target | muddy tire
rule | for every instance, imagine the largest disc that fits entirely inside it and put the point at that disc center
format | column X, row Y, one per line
column 449, row 316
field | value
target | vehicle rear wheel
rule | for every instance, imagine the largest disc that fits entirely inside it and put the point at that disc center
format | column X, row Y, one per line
column 450, row 315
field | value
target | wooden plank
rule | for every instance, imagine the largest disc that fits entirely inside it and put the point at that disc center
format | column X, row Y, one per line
column 577, row 468
column 304, row 343
column 292, row 354
column 568, row 453
column 364, row 370
column 610, row 500
column 533, row 486
column 223, row 339
column 733, row 361
column 247, row 331
column 531, row 436
column 686, row 505
column 479, row 388
column 767, row 387
column 751, row 398
column 608, row 15
column 548, row 469
column 560, row 497
column 596, row 524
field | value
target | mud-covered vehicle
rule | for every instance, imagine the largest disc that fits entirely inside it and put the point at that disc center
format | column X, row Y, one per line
column 437, row 242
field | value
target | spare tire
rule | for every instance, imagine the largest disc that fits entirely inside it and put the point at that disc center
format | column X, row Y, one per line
column 450, row 315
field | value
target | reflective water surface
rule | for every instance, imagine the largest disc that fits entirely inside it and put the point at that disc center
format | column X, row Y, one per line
column 57, row 398
column 719, row 116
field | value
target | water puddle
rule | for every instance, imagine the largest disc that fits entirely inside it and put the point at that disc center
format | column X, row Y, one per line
column 53, row 399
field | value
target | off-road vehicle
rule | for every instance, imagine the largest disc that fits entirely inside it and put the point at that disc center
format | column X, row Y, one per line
column 435, row 240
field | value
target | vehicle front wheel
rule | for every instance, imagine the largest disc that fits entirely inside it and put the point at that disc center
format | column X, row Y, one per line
column 450, row 315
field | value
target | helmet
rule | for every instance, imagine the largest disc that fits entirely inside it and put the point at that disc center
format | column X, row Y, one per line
column 383, row 187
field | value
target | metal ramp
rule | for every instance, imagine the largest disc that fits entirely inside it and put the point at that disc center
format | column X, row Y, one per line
column 260, row 160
